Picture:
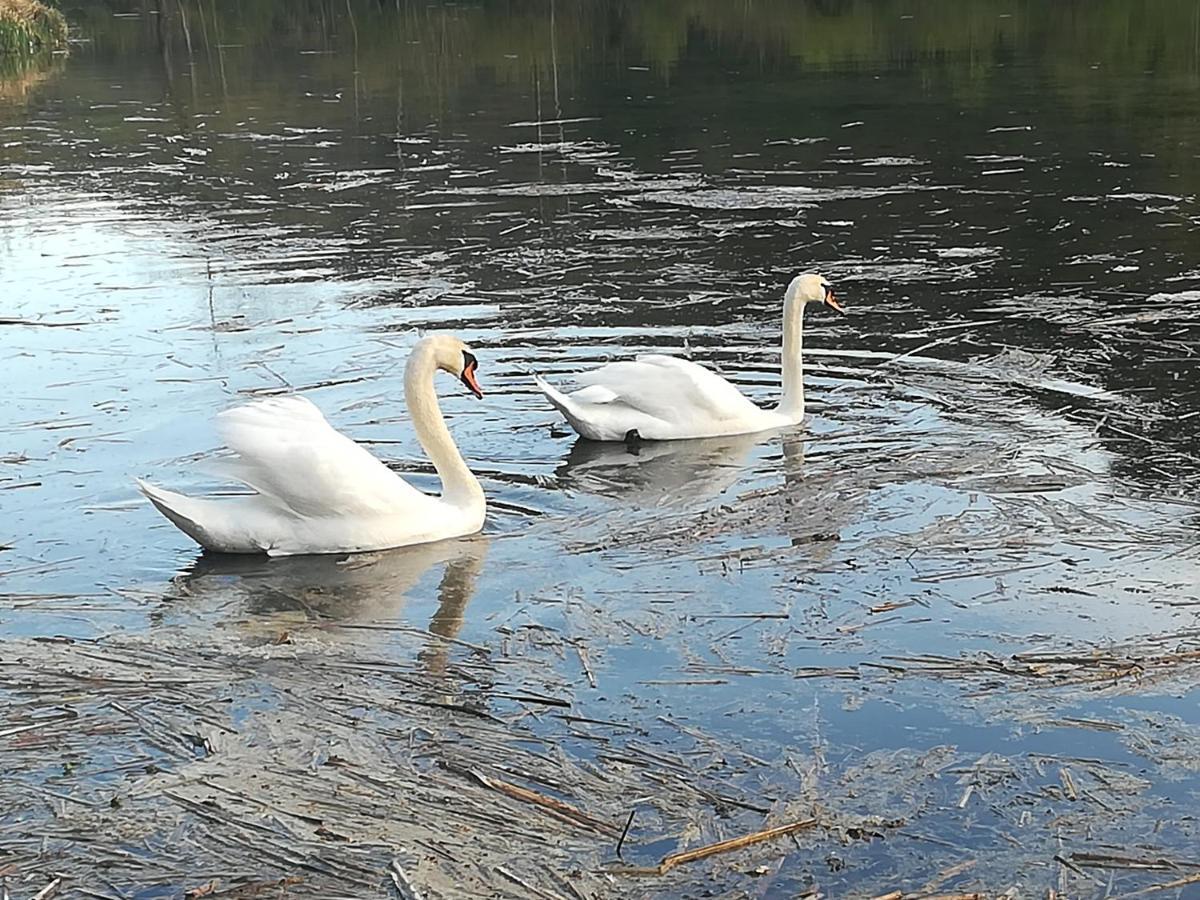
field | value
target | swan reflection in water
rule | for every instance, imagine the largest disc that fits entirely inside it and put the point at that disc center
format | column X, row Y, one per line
column 758, row 493
column 658, row 473
column 357, row 589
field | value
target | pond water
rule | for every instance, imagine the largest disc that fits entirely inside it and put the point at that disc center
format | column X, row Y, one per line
column 208, row 202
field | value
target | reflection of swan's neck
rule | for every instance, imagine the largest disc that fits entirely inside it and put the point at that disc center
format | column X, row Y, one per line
column 454, row 593
column 456, row 590
column 459, row 486
column 792, row 403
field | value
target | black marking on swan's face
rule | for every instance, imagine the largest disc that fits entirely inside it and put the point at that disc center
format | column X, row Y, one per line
column 829, row 300
column 470, row 364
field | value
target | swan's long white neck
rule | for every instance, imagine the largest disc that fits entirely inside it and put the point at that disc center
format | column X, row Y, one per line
column 459, row 486
column 792, row 402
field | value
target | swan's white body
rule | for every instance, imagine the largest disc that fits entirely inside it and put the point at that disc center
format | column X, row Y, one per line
column 664, row 398
column 317, row 491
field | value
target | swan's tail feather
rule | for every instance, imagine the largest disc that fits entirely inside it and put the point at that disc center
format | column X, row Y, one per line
column 183, row 512
column 556, row 397
column 584, row 409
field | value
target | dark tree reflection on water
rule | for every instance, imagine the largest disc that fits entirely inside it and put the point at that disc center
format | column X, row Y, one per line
column 1056, row 143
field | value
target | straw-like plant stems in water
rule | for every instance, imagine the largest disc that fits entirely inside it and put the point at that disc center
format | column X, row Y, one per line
column 1164, row 886
column 671, row 860
column 557, row 808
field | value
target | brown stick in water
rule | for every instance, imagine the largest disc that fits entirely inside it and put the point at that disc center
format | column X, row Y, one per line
column 671, row 860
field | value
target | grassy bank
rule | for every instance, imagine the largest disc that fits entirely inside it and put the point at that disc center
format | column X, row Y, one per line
column 29, row 26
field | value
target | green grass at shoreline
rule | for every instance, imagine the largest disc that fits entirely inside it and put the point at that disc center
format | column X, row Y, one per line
column 30, row 26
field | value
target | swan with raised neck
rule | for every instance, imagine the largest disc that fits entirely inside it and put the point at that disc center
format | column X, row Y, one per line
column 803, row 289
column 660, row 398
column 447, row 353
column 317, row 491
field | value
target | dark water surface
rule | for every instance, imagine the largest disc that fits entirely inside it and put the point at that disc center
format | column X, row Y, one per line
column 214, row 201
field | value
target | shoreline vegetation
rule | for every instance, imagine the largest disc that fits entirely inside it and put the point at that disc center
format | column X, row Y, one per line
column 30, row 27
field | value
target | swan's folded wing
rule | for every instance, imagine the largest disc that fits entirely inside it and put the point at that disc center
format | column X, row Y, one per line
column 668, row 388
column 288, row 452
column 595, row 393
column 719, row 393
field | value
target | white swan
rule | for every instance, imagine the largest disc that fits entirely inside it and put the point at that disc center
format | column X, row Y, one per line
column 320, row 492
column 664, row 398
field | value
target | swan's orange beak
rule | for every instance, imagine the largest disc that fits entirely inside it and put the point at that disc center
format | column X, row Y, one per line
column 468, row 378
column 832, row 303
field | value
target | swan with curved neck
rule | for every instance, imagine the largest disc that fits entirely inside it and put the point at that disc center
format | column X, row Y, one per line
column 317, row 491
column 661, row 398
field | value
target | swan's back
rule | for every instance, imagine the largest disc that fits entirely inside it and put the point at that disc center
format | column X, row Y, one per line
column 697, row 389
column 662, row 397
column 291, row 455
column 317, row 491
